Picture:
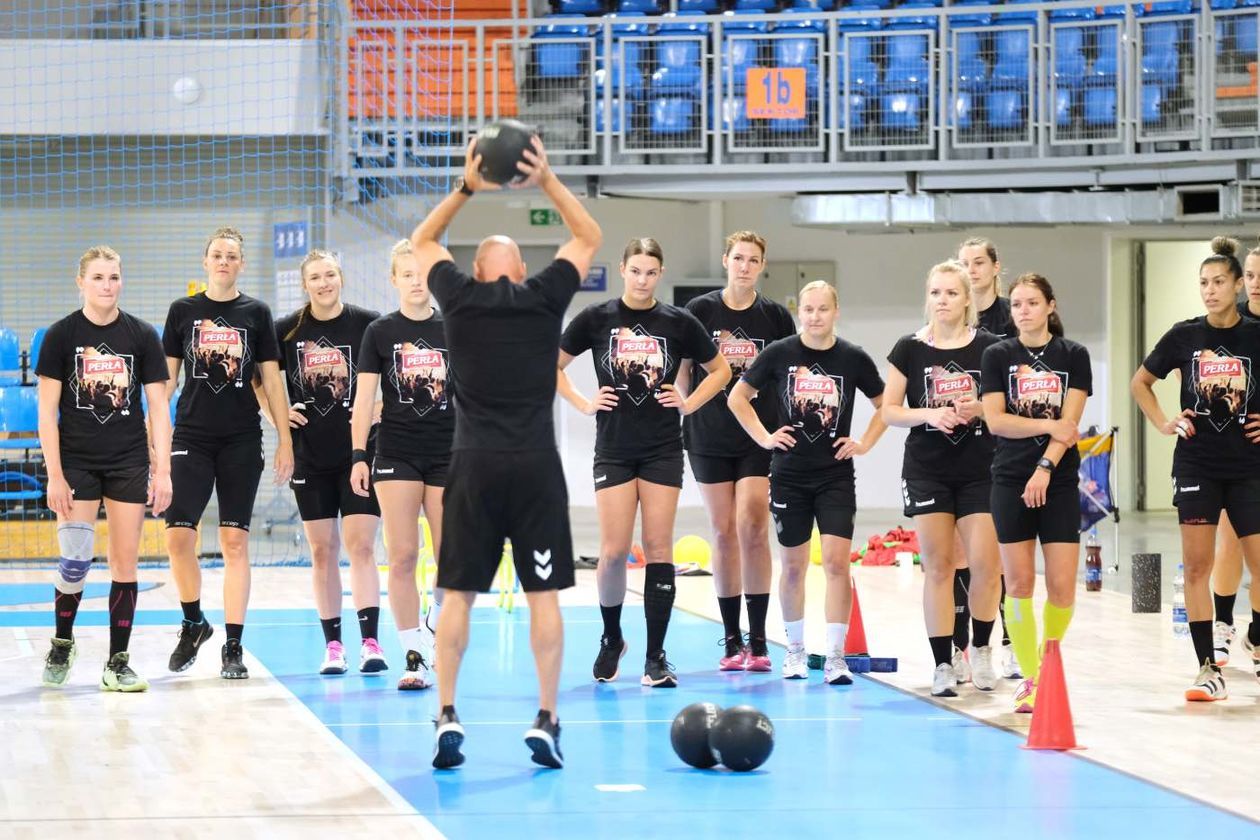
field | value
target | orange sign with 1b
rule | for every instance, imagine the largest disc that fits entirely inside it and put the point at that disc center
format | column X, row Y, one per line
column 775, row 93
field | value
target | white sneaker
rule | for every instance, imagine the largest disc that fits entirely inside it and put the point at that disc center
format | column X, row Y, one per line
column 1208, row 686
column 372, row 658
column 982, row 674
column 1010, row 665
column 334, row 659
column 1222, row 637
column 428, row 642
column 795, row 663
column 417, row 675
column 836, row 669
column 962, row 668
column 1254, row 651
column 943, row 681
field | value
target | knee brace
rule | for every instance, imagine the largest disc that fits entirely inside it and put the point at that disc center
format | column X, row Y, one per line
column 75, row 541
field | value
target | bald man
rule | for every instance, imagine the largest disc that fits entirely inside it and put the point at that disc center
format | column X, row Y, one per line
column 505, row 479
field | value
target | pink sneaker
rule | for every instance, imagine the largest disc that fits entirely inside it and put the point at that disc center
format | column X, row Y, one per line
column 372, row 658
column 334, row 659
column 1025, row 697
column 736, row 654
column 757, row 656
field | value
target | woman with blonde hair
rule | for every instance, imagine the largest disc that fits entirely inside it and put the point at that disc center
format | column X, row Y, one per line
column 816, row 376
column 94, row 367
column 945, row 476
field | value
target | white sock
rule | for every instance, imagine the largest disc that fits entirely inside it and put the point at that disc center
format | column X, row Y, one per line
column 411, row 639
column 795, row 632
column 835, row 637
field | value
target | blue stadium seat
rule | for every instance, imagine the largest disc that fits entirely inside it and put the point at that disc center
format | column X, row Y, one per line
column 756, row 5
column 618, row 111
column 10, row 357
column 1160, row 58
column 37, row 342
column 859, row 5
column 19, row 414
column 1152, row 101
column 1245, row 36
column 973, row 73
column 561, row 61
column 702, row 6
column 925, row 21
column 739, row 55
column 964, row 106
column 1100, row 107
column 1010, row 66
column 1069, row 56
column 682, row 23
column 632, row 51
column 860, row 24
column 1118, row 11
column 678, row 62
column 906, row 79
column 800, row 52
column 815, row 5
column 673, row 115
column 733, row 113
column 643, row 7
column 744, row 21
column 863, row 71
column 1171, row 7
column 1063, row 98
column 1107, row 61
column 1073, row 14
column 1005, row 109
column 581, row 7
column 1016, row 14
column 28, row 487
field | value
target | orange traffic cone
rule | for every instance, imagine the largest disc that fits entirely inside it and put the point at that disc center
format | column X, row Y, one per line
column 1052, row 727
column 636, row 560
column 855, row 641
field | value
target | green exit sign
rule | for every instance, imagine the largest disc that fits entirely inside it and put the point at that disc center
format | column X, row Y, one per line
column 543, row 218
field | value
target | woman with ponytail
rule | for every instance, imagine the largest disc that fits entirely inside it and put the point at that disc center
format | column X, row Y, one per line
column 1216, row 460
column 319, row 347
column 1035, row 386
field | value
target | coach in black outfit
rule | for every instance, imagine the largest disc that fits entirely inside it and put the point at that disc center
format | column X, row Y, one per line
column 505, row 479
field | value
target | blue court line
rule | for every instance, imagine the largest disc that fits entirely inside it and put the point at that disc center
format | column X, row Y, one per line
column 865, row 760
column 16, row 594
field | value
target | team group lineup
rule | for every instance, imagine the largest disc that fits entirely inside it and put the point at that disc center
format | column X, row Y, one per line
column 988, row 385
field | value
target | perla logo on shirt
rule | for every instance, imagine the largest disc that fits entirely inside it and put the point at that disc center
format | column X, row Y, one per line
column 637, row 362
column 815, row 400
column 1222, row 386
column 1036, row 391
column 943, row 386
column 219, row 353
column 324, row 375
column 102, row 382
column 738, row 349
column 421, row 376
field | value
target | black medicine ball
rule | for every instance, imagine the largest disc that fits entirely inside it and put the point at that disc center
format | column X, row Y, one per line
column 501, row 145
column 689, row 734
column 742, row 738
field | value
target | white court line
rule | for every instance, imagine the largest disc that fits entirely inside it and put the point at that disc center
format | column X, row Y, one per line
column 565, row 722
column 23, row 642
column 427, row 830
column 619, row 788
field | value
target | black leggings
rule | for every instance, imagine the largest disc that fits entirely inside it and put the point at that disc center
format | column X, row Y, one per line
column 231, row 467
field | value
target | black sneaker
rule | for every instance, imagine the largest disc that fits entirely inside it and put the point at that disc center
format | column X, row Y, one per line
column 658, row 672
column 233, row 661
column 448, row 738
column 608, row 662
column 544, row 740
column 191, row 638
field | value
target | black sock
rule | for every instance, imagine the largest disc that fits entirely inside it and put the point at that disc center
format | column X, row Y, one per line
column 234, row 631
column 332, row 629
column 981, row 632
column 369, row 622
column 65, row 608
column 942, row 648
column 1225, row 607
column 757, row 607
column 1201, row 635
column 962, row 612
column 192, row 611
column 1253, row 632
column 122, row 614
column 447, row 712
column 1006, row 637
column 658, row 603
column 729, row 607
column 612, row 622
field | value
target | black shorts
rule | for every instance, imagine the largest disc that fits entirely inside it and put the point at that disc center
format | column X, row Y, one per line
column 1057, row 521
column 716, row 469
column 961, row 498
column 427, row 469
column 497, row 496
column 125, row 484
column 1199, row 501
column 230, row 467
column 323, row 495
column 796, row 503
column 664, row 469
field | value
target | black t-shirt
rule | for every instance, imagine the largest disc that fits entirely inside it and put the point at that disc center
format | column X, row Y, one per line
column 636, row 351
column 1216, row 383
column 1244, row 309
column 102, row 371
column 997, row 319
column 1035, row 383
column 741, row 334
column 504, row 339
column 417, row 388
column 320, row 360
column 815, row 390
column 935, row 378
column 221, row 344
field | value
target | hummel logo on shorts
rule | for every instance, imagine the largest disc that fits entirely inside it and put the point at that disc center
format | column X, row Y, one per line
column 925, row 503
column 389, row 471
column 1193, row 489
column 779, row 506
column 542, row 564
column 600, row 478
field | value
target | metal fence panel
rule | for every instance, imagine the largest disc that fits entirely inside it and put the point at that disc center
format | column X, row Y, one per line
column 1086, row 73
column 993, row 99
column 1235, row 94
column 745, row 132
column 555, row 89
column 669, row 114
column 1168, row 78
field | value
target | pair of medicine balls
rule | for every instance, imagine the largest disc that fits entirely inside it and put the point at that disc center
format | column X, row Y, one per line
column 502, row 145
column 704, row 735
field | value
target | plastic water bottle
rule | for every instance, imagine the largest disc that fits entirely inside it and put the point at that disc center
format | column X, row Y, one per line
column 1181, row 625
column 1093, row 562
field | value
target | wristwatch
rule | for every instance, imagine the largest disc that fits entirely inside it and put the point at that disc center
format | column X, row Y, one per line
column 462, row 187
column 1047, row 465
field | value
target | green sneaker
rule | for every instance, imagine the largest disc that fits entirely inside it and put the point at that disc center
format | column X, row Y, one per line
column 57, row 664
column 118, row 675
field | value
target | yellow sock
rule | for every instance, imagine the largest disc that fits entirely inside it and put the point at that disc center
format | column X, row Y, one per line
column 1056, row 620
column 1021, row 624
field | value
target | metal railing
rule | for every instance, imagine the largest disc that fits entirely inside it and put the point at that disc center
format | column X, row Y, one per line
column 1033, row 81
